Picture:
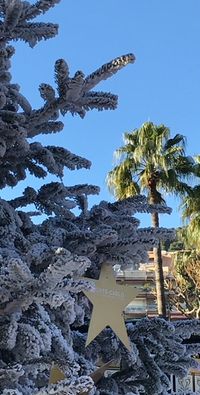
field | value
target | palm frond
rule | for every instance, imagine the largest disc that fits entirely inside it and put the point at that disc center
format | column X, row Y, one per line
column 120, row 181
column 191, row 203
column 178, row 139
column 150, row 158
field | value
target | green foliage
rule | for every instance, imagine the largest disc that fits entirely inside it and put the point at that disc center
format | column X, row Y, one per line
column 179, row 242
column 186, row 271
column 186, row 285
column 191, row 212
column 151, row 160
column 176, row 246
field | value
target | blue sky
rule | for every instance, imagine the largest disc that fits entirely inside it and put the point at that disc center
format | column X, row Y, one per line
column 163, row 86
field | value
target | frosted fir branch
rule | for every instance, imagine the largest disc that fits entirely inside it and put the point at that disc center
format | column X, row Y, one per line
column 33, row 213
column 8, row 116
column 11, row 374
column 11, row 391
column 82, row 384
column 76, row 286
column 8, row 216
column 125, row 228
column 58, row 209
column 32, row 33
column 57, row 190
column 21, row 100
column 82, row 204
column 104, row 235
column 59, row 298
column 2, row 147
column 187, row 328
column 98, row 100
column 15, row 306
column 82, row 248
column 74, row 93
column 123, row 218
column 11, row 133
column 61, row 76
column 67, row 159
column 194, row 349
column 161, row 233
column 147, row 237
column 8, row 179
column 107, row 70
column 39, row 198
column 63, row 263
column 63, row 350
column 40, row 7
column 35, row 169
column 2, row 6
column 18, row 272
column 47, row 128
column 128, row 206
column 128, row 247
column 43, row 156
column 30, row 124
column 47, row 93
column 82, row 189
column 136, row 241
column 78, row 235
column 161, row 332
column 51, row 198
column 16, row 299
column 159, row 208
column 13, row 10
column 2, row 100
column 139, row 203
column 15, row 15
column 18, row 289
column 124, row 258
column 33, row 157
column 8, row 336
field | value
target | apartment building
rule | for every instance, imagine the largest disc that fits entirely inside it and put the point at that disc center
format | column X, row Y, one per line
column 144, row 278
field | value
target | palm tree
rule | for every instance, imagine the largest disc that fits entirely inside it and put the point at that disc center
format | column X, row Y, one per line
column 191, row 214
column 152, row 162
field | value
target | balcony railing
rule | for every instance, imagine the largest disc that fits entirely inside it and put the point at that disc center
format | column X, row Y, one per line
column 184, row 386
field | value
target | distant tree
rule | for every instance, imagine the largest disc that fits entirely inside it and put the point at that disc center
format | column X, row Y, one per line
column 185, row 295
column 191, row 213
column 169, row 245
column 185, row 288
column 177, row 244
column 152, row 162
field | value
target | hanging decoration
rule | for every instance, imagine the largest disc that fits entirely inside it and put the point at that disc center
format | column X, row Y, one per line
column 109, row 300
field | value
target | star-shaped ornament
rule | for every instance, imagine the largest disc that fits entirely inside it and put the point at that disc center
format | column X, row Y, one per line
column 57, row 375
column 109, row 300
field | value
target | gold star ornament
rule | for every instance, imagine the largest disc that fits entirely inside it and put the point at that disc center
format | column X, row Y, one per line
column 57, row 375
column 109, row 300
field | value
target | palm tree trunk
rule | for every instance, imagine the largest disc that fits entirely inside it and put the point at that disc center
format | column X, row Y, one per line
column 159, row 277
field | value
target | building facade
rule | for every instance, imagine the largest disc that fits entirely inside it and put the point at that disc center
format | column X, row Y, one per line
column 144, row 278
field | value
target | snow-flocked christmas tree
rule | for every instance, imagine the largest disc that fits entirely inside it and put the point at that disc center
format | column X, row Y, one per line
column 44, row 314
